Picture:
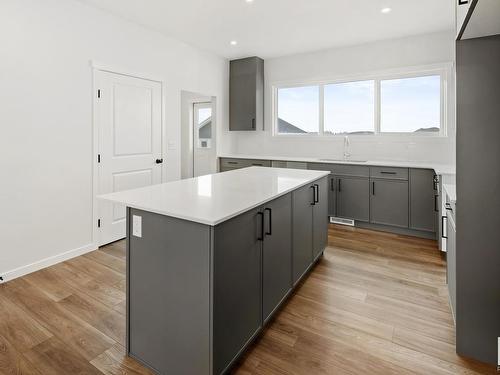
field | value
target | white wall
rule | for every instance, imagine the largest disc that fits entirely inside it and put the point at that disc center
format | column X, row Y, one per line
column 46, row 117
column 381, row 56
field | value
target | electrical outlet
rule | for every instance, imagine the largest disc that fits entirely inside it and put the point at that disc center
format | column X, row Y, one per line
column 137, row 226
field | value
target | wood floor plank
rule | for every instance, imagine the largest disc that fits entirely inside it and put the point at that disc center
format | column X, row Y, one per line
column 376, row 303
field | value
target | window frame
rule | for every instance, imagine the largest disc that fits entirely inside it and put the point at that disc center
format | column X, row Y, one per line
column 443, row 70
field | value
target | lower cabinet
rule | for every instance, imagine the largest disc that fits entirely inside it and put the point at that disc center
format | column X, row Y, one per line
column 451, row 262
column 389, row 202
column 310, row 225
column 258, row 257
column 353, row 199
column 237, row 285
column 320, row 217
column 332, row 195
column 277, row 253
column 424, row 204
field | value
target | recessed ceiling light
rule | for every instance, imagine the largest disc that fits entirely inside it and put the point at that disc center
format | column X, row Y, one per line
column 233, row 42
column 386, row 10
column 249, row 1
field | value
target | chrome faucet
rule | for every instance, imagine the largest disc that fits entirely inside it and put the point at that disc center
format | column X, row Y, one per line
column 347, row 146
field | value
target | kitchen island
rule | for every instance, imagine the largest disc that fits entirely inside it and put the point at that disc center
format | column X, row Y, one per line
column 211, row 259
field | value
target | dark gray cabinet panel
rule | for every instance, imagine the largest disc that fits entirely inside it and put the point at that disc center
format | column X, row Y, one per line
column 320, row 217
column 451, row 262
column 228, row 164
column 246, row 94
column 353, row 198
column 171, row 337
column 423, row 200
column 303, row 199
column 237, row 306
column 478, row 179
column 277, row 253
column 389, row 202
column 332, row 195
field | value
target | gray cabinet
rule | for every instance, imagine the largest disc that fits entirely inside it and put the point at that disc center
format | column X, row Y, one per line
column 353, row 198
column 451, row 261
column 310, row 225
column 320, row 217
column 277, row 253
column 389, row 202
column 332, row 195
column 423, row 200
column 229, row 164
column 303, row 199
column 237, row 306
column 246, row 94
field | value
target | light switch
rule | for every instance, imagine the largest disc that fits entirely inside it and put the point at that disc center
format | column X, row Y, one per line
column 137, row 226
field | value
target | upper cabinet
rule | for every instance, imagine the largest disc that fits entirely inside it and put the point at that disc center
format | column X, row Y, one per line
column 246, row 94
column 477, row 18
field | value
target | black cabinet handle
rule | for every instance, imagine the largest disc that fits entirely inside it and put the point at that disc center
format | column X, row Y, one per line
column 332, row 184
column 373, row 187
column 442, row 226
column 232, row 162
column 159, row 161
column 314, row 195
column 261, row 237
column 270, row 227
column 386, row 172
column 339, row 187
column 436, row 209
column 253, row 123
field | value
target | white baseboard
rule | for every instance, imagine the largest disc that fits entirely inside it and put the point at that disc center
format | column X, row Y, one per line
column 47, row 262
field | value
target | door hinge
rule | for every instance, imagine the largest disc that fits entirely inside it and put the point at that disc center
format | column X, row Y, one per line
column 98, row 223
column 98, row 93
column 98, row 158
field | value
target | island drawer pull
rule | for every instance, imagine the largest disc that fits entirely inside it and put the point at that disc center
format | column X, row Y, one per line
column 261, row 237
column 270, row 230
column 387, row 172
column 316, row 193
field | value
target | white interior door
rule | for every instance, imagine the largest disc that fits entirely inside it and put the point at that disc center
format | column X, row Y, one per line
column 129, row 123
column 203, row 139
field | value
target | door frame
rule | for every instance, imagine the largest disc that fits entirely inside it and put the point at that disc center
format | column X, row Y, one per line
column 192, row 132
column 99, row 67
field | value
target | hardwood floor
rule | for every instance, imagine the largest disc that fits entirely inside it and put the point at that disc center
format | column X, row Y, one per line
column 375, row 304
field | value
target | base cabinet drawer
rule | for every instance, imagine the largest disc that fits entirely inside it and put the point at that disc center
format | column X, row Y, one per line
column 226, row 164
column 389, row 202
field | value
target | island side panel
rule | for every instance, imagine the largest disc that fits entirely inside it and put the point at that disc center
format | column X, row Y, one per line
column 168, row 294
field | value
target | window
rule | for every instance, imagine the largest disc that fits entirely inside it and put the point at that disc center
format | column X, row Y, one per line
column 298, row 110
column 401, row 103
column 410, row 105
column 350, row 108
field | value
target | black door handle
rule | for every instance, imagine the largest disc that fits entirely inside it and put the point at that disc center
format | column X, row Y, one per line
column 159, row 161
column 314, row 195
column 261, row 237
column 270, row 230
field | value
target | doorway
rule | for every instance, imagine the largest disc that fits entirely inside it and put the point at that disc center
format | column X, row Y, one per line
column 128, row 142
column 199, row 155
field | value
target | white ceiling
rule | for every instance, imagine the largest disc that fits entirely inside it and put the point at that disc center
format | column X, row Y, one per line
column 271, row 28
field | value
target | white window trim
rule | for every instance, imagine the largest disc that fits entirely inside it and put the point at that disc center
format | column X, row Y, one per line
column 444, row 70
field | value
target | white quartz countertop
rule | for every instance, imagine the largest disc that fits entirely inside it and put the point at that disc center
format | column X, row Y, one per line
column 440, row 169
column 215, row 198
